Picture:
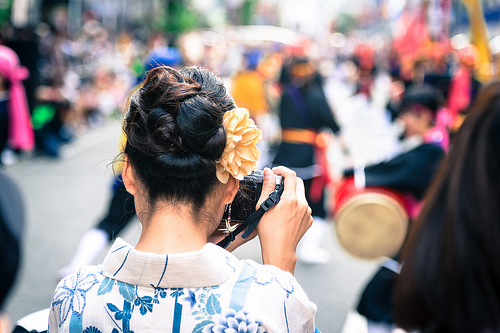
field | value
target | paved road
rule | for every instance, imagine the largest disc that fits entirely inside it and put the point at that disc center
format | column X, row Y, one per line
column 66, row 196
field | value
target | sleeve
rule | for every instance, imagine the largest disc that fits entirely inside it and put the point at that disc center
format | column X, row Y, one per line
column 54, row 318
column 300, row 312
column 279, row 303
column 286, row 111
column 412, row 171
column 56, row 310
column 324, row 116
column 34, row 322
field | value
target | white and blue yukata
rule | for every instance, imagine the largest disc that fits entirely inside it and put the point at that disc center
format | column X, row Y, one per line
column 209, row 290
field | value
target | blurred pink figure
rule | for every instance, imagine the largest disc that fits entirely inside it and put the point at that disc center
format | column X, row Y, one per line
column 20, row 130
column 439, row 134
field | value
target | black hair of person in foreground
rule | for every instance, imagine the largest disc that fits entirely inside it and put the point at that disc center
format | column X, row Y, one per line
column 450, row 278
column 12, row 216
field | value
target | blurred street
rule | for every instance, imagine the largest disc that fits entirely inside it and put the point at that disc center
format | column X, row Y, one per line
column 66, row 196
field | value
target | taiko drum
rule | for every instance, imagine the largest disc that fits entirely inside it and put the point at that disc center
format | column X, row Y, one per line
column 370, row 222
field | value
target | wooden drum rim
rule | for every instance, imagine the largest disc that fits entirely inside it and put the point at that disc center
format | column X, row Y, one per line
column 371, row 237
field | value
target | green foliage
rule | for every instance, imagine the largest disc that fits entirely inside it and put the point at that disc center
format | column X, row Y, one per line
column 175, row 17
column 5, row 9
column 345, row 23
column 247, row 11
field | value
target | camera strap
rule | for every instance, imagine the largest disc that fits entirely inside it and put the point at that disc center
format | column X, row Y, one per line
column 251, row 222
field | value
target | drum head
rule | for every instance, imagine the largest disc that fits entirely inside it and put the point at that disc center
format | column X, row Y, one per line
column 371, row 225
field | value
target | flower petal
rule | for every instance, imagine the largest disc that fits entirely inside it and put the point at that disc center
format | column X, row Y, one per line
column 223, row 177
column 240, row 154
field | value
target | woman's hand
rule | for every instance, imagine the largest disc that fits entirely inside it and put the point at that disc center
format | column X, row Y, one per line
column 282, row 226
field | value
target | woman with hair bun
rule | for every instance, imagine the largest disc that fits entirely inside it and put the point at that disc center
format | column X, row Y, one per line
column 187, row 148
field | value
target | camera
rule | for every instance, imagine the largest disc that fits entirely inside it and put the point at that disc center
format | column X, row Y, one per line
column 245, row 202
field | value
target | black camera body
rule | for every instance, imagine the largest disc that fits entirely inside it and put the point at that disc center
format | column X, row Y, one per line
column 245, row 202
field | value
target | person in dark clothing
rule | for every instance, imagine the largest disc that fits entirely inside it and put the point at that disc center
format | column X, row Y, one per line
column 4, row 117
column 49, row 124
column 12, row 218
column 409, row 173
column 304, row 112
column 450, row 278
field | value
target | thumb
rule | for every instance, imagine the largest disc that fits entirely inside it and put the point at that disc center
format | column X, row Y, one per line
column 268, row 185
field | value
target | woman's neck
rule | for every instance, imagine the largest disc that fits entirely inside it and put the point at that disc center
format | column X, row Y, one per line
column 171, row 230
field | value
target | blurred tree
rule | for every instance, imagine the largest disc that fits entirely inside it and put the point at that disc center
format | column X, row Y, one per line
column 174, row 17
column 5, row 8
column 247, row 11
column 345, row 22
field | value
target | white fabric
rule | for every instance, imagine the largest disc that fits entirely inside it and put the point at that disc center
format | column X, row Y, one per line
column 392, row 265
column 309, row 249
column 375, row 327
column 35, row 322
column 201, row 291
column 359, row 177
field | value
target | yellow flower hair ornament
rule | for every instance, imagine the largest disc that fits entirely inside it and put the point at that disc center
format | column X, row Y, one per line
column 240, row 155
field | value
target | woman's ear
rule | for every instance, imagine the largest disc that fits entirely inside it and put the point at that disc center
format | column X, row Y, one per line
column 128, row 176
column 232, row 188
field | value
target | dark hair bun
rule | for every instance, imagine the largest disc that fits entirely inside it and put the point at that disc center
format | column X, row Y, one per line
column 185, row 165
column 174, row 128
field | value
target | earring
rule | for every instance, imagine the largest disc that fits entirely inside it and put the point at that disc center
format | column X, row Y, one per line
column 229, row 228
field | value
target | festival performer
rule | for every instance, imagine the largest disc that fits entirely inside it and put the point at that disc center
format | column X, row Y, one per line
column 450, row 276
column 410, row 174
column 304, row 111
column 187, row 148
column 16, row 131
column 464, row 85
column 249, row 88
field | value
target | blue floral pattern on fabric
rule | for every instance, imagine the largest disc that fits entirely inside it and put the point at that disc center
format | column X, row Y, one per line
column 203, row 302
column 232, row 321
column 163, row 293
column 231, row 262
column 70, row 295
column 190, row 297
column 206, row 303
column 265, row 277
column 145, row 304
column 124, row 307
column 121, row 315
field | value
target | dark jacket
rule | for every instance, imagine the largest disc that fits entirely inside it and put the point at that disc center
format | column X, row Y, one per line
column 304, row 108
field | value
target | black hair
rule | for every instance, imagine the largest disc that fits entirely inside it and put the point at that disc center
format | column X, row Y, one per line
column 425, row 95
column 174, row 133
column 450, row 278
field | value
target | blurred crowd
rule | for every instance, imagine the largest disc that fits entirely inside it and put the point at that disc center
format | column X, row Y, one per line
column 362, row 80
column 84, row 78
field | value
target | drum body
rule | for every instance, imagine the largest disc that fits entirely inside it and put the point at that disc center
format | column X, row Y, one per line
column 370, row 222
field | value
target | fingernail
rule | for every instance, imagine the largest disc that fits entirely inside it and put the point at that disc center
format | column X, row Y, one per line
column 267, row 172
